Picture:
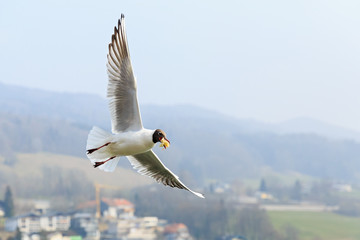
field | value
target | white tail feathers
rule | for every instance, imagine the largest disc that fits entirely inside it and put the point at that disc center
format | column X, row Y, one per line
column 98, row 137
column 110, row 165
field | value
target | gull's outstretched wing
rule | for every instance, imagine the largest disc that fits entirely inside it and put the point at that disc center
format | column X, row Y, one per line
column 123, row 104
column 150, row 165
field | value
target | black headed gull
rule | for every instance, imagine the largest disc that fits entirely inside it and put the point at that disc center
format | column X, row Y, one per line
column 129, row 138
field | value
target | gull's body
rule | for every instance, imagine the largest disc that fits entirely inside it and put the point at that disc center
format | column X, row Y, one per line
column 129, row 137
column 126, row 143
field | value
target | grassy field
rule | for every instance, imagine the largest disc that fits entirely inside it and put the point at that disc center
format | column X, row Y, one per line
column 318, row 225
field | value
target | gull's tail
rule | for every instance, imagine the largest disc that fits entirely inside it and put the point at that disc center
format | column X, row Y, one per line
column 97, row 151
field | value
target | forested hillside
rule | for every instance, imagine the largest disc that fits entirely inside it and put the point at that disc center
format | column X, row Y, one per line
column 206, row 145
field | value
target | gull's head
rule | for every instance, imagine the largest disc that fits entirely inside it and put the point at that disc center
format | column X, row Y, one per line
column 160, row 136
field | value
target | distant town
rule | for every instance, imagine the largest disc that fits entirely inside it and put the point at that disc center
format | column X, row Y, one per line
column 110, row 218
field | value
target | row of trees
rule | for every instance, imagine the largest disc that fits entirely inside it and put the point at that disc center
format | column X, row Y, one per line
column 321, row 191
column 53, row 183
column 210, row 218
column 294, row 192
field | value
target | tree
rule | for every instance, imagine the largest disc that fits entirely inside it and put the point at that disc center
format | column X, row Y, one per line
column 8, row 203
column 296, row 191
column 18, row 234
column 291, row 233
column 263, row 187
column 254, row 224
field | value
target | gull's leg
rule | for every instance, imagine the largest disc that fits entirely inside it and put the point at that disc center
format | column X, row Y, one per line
column 102, row 162
column 90, row 151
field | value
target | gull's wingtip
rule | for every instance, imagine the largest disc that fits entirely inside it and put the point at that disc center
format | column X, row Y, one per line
column 200, row 195
column 121, row 20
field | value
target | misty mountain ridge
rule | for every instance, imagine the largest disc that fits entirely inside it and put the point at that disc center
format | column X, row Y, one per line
column 205, row 144
column 90, row 109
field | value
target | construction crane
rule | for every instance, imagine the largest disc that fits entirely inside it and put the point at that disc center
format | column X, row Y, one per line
column 98, row 187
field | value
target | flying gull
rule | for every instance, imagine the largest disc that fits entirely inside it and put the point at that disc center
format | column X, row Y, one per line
column 129, row 137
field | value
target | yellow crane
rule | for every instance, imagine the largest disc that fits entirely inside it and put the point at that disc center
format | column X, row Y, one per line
column 98, row 187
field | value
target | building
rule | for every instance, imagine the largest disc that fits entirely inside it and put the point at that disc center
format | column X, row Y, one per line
column 2, row 209
column 87, row 225
column 177, row 231
column 118, row 208
column 40, row 220
column 50, row 236
column 29, row 223
column 111, row 208
column 49, row 222
column 146, row 228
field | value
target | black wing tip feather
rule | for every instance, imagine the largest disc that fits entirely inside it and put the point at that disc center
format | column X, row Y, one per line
column 122, row 17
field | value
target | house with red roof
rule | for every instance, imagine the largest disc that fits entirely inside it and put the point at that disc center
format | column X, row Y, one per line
column 118, row 208
column 114, row 208
column 177, row 231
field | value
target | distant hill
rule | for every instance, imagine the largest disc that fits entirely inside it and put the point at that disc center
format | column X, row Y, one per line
column 89, row 110
column 31, row 134
column 307, row 125
column 205, row 145
column 81, row 108
column 49, row 175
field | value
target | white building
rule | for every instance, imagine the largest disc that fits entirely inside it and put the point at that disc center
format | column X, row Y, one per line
column 146, row 228
column 2, row 211
column 50, row 236
column 88, row 224
column 33, row 223
column 118, row 208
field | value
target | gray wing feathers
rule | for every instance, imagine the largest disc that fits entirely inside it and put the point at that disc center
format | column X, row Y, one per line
column 123, row 104
column 150, row 165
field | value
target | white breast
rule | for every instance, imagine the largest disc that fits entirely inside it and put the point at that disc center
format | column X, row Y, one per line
column 131, row 143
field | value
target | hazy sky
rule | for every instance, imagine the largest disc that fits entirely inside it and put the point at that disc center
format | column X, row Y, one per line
column 265, row 60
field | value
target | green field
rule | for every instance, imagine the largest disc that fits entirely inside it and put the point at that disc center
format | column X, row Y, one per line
column 318, row 225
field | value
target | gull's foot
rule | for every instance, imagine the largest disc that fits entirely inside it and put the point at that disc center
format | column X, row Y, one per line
column 90, row 151
column 102, row 162
column 98, row 164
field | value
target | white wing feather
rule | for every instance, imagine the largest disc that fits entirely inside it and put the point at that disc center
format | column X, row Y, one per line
column 125, row 113
column 123, row 103
column 150, row 165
